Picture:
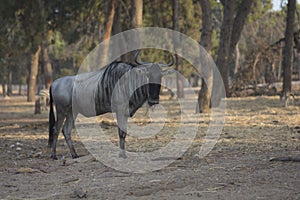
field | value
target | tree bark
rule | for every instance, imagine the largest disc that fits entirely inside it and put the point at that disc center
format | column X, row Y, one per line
column 237, row 59
column 47, row 68
column 280, row 64
column 32, row 75
column 108, row 29
column 3, row 89
column 178, row 59
column 9, row 84
column 288, row 48
column 137, row 13
column 238, row 24
column 20, row 89
column 254, row 68
column 207, row 29
column 136, row 22
column 225, row 38
column 117, row 28
column 229, row 38
column 205, row 40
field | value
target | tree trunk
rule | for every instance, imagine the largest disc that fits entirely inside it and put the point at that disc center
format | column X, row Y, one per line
column 237, row 59
column 180, row 86
column 32, row 75
column 20, row 89
column 108, row 29
column 3, row 89
column 136, row 22
column 224, row 45
column 137, row 13
column 178, row 60
column 205, row 41
column 9, row 84
column 117, row 28
column 238, row 24
column 207, row 29
column 239, row 21
column 254, row 68
column 280, row 65
column 47, row 68
column 229, row 38
column 288, row 48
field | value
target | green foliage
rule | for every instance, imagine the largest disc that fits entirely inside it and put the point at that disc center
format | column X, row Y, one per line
column 259, row 8
column 262, row 32
column 57, row 47
column 72, row 28
column 189, row 23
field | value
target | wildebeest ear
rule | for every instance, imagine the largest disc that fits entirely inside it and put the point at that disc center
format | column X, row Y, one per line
column 168, row 71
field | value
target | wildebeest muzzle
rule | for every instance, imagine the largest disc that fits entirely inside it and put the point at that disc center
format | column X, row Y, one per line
column 152, row 102
column 153, row 97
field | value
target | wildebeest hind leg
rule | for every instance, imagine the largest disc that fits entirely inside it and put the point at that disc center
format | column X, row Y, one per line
column 67, row 133
column 57, row 127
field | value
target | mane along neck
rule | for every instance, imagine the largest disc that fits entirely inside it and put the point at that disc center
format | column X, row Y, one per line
column 121, row 87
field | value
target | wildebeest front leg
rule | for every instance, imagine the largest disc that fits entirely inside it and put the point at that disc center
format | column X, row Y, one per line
column 122, row 136
column 122, row 129
column 67, row 133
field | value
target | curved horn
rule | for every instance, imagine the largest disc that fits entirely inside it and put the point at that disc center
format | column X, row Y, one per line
column 137, row 56
column 169, row 64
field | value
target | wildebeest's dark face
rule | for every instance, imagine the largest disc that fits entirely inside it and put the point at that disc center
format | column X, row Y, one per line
column 154, row 75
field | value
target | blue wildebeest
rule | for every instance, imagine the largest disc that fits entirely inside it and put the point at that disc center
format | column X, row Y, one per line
column 95, row 93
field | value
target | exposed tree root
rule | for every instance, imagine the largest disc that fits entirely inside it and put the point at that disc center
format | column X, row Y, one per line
column 286, row 159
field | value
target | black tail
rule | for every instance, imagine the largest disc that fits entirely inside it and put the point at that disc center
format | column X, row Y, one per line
column 51, row 120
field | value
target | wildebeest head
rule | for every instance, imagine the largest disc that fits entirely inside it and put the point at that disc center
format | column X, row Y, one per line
column 154, row 72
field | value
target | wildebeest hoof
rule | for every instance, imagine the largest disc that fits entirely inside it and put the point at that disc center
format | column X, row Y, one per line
column 54, row 157
column 122, row 154
column 75, row 156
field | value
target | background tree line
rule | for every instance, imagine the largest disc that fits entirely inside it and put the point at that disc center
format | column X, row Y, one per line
column 43, row 40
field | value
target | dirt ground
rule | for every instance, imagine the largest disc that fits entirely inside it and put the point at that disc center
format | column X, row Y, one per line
column 256, row 129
